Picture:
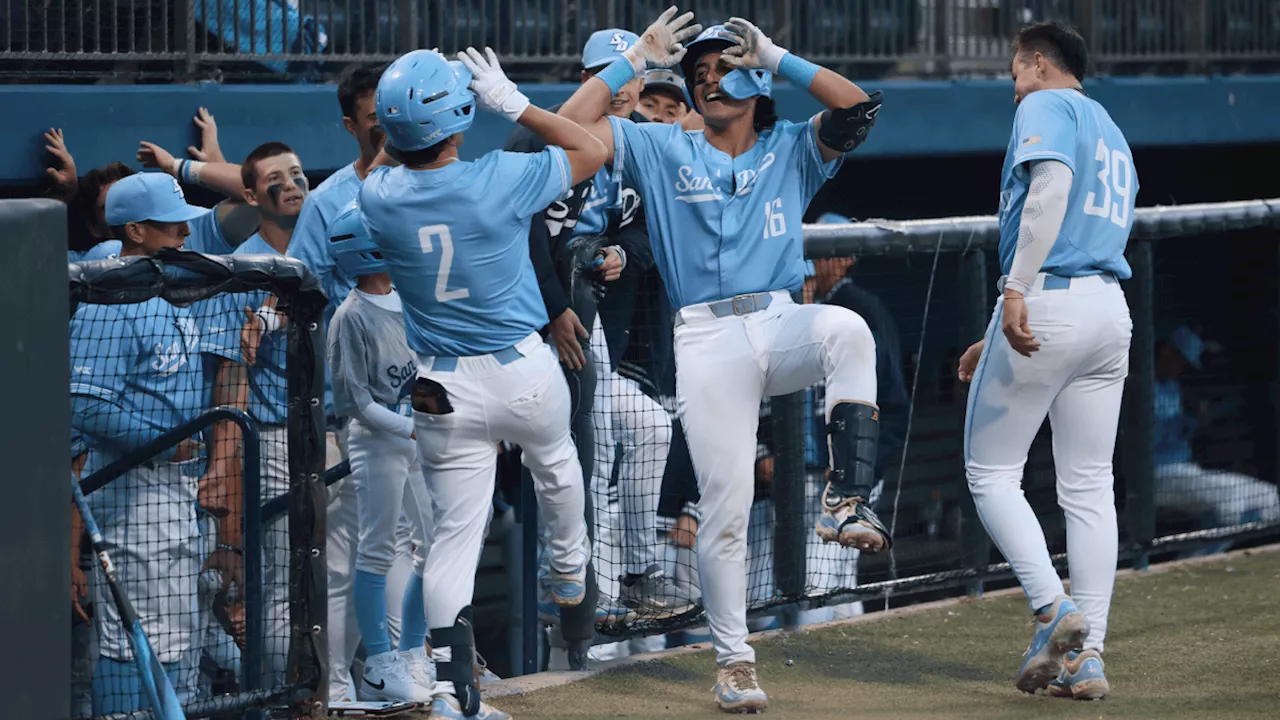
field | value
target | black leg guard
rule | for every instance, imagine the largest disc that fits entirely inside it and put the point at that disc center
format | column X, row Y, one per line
column 460, row 668
column 855, row 436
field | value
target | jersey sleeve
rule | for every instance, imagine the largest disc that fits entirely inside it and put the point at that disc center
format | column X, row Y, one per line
column 206, row 235
column 102, row 347
column 808, row 154
column 1044, row 128
column 535, row 179
column 220, row 325
column 638, row 148
column 310, row 244
column 348, row 363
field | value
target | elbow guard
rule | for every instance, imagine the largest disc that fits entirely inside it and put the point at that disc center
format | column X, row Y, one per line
column 844, row 129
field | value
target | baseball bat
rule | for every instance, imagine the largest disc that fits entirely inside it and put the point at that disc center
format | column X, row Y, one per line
column 155, row 683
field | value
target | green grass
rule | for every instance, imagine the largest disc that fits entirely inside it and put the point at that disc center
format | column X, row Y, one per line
column 1199, row 641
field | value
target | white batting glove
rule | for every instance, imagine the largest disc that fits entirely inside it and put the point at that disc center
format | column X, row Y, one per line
column 493, row 90
column 662, row 44
column 755, row 50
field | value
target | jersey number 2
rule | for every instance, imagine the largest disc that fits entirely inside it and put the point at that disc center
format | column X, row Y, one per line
column 443, row 294
column 1116, row 174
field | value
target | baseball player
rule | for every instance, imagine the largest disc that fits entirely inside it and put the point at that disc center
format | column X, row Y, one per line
column 723, row 208
column 663, row 100
column 1057, row 345
column 135, row 374
column 454, row 238
column 275, row 185
column 373, row 370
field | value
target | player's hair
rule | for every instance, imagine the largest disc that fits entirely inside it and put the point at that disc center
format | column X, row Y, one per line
column 667, row 90
column 354, row 83
column 83, row 210
column 417, row 158
column 1062, row 45
column 766, row 114
column 249, row 170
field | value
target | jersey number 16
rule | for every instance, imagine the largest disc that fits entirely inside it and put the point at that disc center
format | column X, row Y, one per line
column 1116, row 174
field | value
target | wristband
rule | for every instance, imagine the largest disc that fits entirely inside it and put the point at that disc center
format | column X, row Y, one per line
column 231, row 548
column 272, row 319
column 188, row 171
column 618, row 73
column 797, row 70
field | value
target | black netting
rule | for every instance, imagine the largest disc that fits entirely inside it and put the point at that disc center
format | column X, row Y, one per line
column 185, row 422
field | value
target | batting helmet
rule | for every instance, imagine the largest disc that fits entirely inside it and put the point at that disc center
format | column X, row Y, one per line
column 739, row 84
column 351, row 247
column 423, row 99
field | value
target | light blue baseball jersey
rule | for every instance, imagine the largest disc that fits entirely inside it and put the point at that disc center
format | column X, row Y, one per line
column 722, row 226
column 104, row 250
column 456, row 242
column 1172, row 428
column 206, row 236
column 310, row 244
column 310, row 240
column 143, row 359
column 268, row 381
column 1067, row 126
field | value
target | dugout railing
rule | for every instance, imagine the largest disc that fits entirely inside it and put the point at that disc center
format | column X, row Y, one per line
column 187, row 279
column 542, row 40
column 937, row 281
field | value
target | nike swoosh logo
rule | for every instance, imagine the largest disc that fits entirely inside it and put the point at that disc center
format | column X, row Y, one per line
column 379, row 686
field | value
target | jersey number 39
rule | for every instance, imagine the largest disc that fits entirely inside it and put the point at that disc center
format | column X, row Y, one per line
column 441, row 232
column 1116, row 174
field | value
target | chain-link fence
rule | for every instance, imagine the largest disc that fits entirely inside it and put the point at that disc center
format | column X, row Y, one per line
column 198, row 442
column 543, row 39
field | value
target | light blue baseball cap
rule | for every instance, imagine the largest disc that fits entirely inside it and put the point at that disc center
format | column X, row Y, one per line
column 1188, row 344
column 605, row 46
column 149, row 196
column 831, row 218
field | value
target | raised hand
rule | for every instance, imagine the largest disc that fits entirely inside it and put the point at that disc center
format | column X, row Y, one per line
column 754, row 48
column 63, row 172
column 154, row 156
column 494, row 91
column 209, row 150
column 662, row 43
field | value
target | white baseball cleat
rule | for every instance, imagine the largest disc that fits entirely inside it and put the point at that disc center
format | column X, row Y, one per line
column 387, row 677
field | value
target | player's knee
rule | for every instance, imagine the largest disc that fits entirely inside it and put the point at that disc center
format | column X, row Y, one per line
column 848, row 334
column 992, row 481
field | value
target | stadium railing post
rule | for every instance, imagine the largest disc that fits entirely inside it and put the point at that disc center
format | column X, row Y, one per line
column 975, row 298
column 1139, row 407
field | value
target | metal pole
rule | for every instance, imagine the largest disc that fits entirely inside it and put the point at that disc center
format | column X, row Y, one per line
column 255, row 613
column 1139, row 407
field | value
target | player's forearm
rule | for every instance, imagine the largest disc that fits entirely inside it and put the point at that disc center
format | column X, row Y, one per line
column 586, row 152
column 1042, row 216
column 589, row 104
column 834, row 90
column 223, row 177
column 237, row 220
column 113, row 427
column 379, row 418
column 231, row 527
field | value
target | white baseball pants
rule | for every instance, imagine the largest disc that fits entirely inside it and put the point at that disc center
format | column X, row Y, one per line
column 1077, row 379
column 388, row 479
column 1231, row 497
column 625, row 416
column 526, row 403
column 724, row 367
column 273, row 441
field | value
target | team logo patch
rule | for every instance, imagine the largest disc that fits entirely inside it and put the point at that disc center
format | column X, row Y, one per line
column 1031, row 140
column 619, row 42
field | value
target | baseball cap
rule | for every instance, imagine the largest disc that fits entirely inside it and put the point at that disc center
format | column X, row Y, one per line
column 605, row 46
column 662, row 78
column 149, row 196
column 1188, row 343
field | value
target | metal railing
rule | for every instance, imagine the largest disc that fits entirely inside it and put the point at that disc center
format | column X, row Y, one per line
column 543, row 39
